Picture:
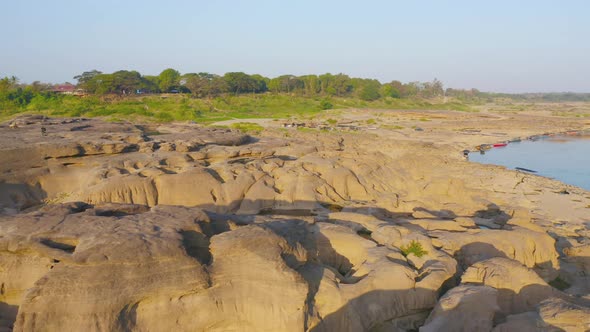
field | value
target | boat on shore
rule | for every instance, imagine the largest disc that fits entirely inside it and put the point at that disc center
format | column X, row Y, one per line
column 525, row 170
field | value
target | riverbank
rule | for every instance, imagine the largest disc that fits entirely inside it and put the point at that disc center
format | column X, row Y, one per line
column 562, row 156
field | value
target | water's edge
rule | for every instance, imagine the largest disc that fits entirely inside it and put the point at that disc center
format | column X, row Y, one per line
column 562, row 157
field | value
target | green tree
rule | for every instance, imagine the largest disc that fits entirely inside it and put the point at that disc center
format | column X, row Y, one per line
column 274, row 85
column 169, row 79
column 286, row 84
column 431, row 89
column 239, row 82
column 192, row 82
column 336, row 85
column 386, row 90
column 8, row 83
column 326, row 84
column 437, row 87
column 261, row 83
column 38, row 87
column 14, row 95
column 398, row 89
column 366, row 89
column 217, row 86
column 342, row 84
column 120, row 82
column 391, row 90
column 311, row 84
column 86, row 77
column 127, row 82
column 204, row 84
column 151, row 83
column 411, row 89
column 100, row 84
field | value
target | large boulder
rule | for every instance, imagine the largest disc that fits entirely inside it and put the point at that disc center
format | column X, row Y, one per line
column 103, row 261
column 523, row 322
column 250, row 287
column 532, row 249
column 464, row 308
column 520, row 289
column 565, row 315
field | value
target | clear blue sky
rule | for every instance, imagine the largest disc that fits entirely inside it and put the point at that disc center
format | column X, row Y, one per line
column 511, row 46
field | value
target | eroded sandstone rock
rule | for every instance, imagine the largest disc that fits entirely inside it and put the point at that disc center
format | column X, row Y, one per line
column 563, row 315
column 122, row 267
column 519, row 289
column 464, row 308
column 533, row 249
column 277, row 234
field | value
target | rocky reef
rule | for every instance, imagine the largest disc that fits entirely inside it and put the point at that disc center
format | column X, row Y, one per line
column 123, row 227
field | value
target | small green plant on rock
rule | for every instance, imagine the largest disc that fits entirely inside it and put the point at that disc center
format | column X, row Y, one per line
column 415, row 248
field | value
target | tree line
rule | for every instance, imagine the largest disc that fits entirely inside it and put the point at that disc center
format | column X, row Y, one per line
column 15, row 95
column 208, row 85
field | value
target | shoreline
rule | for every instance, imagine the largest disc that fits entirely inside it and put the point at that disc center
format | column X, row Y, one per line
column 562, row 137
column 572, row 133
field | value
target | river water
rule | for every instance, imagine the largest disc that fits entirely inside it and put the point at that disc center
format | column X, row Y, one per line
column 564, row 158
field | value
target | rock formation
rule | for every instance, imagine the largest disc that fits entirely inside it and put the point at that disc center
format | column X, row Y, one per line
column 179, row 227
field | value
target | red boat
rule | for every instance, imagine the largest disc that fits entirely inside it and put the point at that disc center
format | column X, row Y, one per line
column 499, row 145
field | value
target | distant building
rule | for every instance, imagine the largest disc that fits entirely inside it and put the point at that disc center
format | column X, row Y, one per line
column 67, row 89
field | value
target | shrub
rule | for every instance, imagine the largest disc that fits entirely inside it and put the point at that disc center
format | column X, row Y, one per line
column 247, row 127
column 415, row 248
column 326, row 104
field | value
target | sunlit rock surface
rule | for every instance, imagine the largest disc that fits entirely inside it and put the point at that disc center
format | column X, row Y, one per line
column 178, row 227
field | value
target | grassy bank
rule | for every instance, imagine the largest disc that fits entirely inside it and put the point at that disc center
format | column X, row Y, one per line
column 166, row 108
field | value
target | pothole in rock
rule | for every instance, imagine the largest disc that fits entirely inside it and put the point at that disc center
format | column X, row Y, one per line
column 67, row 245
column 365, row 234
column 332, row 207
column 242, row 161
column 196, row 245
column 119, row 210
column 288, row 212
column 349, row 278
